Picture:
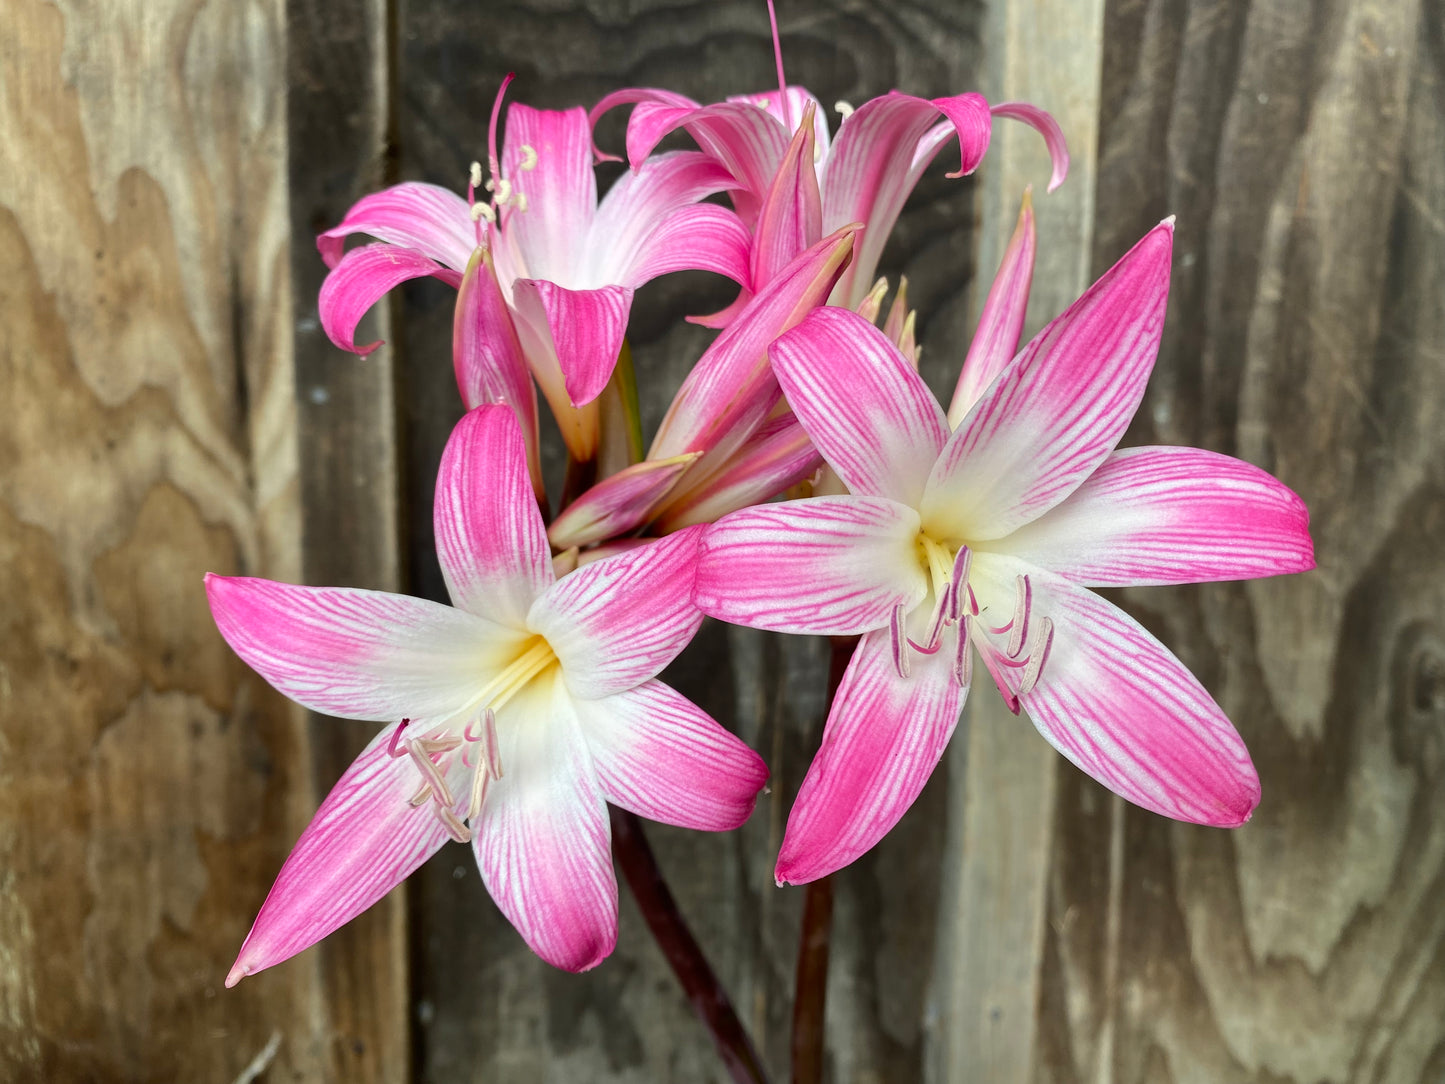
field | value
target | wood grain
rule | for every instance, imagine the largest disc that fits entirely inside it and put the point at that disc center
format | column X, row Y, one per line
column 1302, row 149
column 150, row 784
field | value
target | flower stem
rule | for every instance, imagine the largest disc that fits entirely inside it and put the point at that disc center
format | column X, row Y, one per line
column 709, row 999
column 811, row 989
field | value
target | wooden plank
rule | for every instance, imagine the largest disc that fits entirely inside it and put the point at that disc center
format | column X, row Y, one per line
column 338, row 80
column 1303, row 151
column 149, row 784
column 490, row 1009
column 1001, row 810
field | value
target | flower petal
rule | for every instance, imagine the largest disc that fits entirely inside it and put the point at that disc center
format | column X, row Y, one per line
column 704, row 237
column 356, row 654
column 560, row 189
column 831, row 566
column 1120, row 706
column 1002, row 320
column 1170, row 515
column 867, row 411
column 434, row 221
column 791, row 217
column 884, row 736
column 618, row 503
column 658, row 112
column 488, row 358
column 616, row 623
column 662, row 757
column 542, row 842
column 363, row 842
column 1046, row 126
column 581, row 329
column 489, row 534
column 1050, row 418
column 361, row 279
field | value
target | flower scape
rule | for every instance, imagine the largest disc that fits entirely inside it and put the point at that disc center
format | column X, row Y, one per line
column 954, row 543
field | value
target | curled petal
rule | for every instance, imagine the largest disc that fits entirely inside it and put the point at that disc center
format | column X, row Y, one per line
column 662, row 757
column 1170, row 515
column 830, row 566
column 361, row 279
column 434, row 221
column 645, row 131
column 1046, row 126
column 618, row 503
column 582, row 330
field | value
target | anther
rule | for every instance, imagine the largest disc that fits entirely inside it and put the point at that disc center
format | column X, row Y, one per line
column 429, row 772
column 962, row 563
column 529, row 158
column 899, row 642
column 520, row 201
column 491, row 744
column 455, row 828
column 843, row 109
column 476, row 175
column 478, row 796
column 963, row 657
column 483, row 210
column 1020, row 621
column 420, row 796
column 1038, row 655
column 503, row 190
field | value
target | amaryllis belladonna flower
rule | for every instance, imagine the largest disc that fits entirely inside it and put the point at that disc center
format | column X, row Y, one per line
column 985, row 540
column 513, row 718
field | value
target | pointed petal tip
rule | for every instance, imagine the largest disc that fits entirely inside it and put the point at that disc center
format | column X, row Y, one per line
column 238, row 972
column 1168, row 223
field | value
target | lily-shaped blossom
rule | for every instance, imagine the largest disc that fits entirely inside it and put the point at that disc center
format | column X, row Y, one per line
column 566, row 265
column 513, row 718
column 864, row 174
column 986, row 539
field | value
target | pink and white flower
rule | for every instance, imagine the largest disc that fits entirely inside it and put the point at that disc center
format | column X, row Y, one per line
column 513, row 717
column 985, row 539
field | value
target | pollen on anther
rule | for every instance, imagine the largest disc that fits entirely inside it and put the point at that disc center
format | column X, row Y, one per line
column 503, row 190
column 483, row 210
column 476, row 175
column 529, row 158
column 520, row 202
column 843, row 109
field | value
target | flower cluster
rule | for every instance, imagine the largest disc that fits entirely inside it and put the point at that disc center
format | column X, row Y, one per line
column 943, row 539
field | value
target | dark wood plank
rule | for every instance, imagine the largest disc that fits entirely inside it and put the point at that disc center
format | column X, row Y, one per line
column 490, row 1009
column 1303, row 150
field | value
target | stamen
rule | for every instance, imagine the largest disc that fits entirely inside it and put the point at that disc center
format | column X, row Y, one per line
column 963, row 658
column 455, row 828
column 843, row 109
column 515, row 677
column 420, row 796
column 483, row 210
column 503, row 190
column 1020, row 621
column 962, row 563
column 1038, row 655
column 438, row 745
column 520, row 201
column 491, row 744
column 479, row 794
column 474, row 180
column 529, row 158
column 429, row 772
column 778, row 58
column 391, row 749
column 899, row 642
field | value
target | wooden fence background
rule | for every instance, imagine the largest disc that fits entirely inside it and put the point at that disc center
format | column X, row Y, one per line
column 170, row 406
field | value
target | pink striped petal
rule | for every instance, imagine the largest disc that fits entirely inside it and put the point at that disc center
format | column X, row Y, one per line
column 778, row 456
column 1050, row 418
column 883, row 739
column 649, row 122
column 1002, row 320
column 582, row 328
column 868, row 412
column 490, row 365
column 560, row 190
column 704, row 237
column 731, row 389
column 357, row 654
column 662, row 757
column 872, row 168
column 1120, row 706
column 490, row 539
column 791, row 218
column 364, row 841
column 830, row 566
column 616, row 623
column 542, row 842
column 1170, row 515
column 361, row 279
column 434, row 221
column 1047, row 127
column 618, row 503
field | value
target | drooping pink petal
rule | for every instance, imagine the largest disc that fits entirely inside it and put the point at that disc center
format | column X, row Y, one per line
column 884, row 736
column 731, row 389
column 1002, row 320
column 434, row 221
column 791, row 218
column 1053, row 415
column 830, row 566
column 662, row 757
column 618, row 503
column 658, row 112
column 488, row 358
column 356, row 654
column 616, row 623
column 867, row 411
column 490, row 539
column 704, row 237
column 778, row 456
column 363, row 842
column 1043, row 123
column 542, row 842
column 871, row 169
column 583, row 329
column 1170, row 515
column 560, row 189
column 1117, row 703
column 361, row 279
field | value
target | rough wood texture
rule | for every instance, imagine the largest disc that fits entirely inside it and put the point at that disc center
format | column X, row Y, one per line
column 149, row 783
column 490, row 1010
column 1302, row 148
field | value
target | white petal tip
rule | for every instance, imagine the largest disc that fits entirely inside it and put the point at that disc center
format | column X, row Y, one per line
column 1168, row 223
column 239, row 972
